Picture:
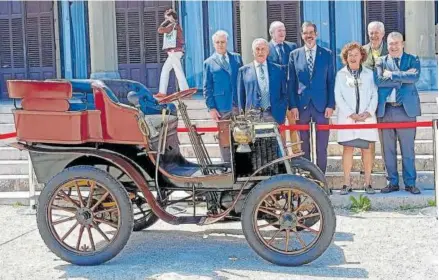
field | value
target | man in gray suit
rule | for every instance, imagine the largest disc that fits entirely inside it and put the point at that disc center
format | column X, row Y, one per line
column 398, row 101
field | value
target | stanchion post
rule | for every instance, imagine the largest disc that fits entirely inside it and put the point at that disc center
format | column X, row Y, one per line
column 313, row 141
column 435, row 127
column 32, row 184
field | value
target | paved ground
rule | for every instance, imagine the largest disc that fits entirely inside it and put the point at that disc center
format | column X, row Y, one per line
column 373, row 245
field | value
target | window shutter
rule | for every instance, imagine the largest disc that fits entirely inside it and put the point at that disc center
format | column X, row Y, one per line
column 40, row 34
column 391, row 13
column 151, row 37
column 128, row 29
column 237, row 26
column 287, row 12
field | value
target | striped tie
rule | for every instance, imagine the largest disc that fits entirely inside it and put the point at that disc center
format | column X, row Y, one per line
column 398, row 96
column 265, row 97
column 310, row 62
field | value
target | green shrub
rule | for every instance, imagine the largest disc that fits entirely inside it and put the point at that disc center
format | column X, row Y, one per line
column 361, row 205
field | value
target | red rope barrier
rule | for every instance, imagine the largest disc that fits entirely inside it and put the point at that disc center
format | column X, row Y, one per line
column 8, row 135
column 301, row 127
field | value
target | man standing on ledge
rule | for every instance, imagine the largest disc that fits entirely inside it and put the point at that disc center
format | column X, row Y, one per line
column 262, row 85
column 219, row 82
column 398, row 101
column 173, row 43
column 311, row 79
column 279, row 53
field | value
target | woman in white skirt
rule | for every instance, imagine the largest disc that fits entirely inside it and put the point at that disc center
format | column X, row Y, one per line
column 173, row 44
column 356, row 99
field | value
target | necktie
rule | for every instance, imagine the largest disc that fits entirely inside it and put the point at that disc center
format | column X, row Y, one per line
column 225, row 63
column 280, row 48
column 398, row 96
column 265, row 97
column 310, row 62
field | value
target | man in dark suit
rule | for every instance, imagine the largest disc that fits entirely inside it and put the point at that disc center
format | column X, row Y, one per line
column 279, row 53
column 262, row 85
column 219, row 82
column 398, row 101
column 311, row 78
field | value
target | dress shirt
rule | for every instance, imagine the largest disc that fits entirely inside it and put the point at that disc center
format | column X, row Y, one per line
column 392, row 96
column 314, row 50
column 265, row 68
column 220, row 57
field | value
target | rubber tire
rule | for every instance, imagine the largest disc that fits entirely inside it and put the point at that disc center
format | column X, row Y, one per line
column 142, row 224
column 311, row 189
column 314, row 170
column 117, row 191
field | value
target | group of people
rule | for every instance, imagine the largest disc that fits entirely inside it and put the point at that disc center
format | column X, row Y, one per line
column 299, row 85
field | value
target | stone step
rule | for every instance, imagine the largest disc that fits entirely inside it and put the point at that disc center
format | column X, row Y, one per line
column 14, row 167
column 9, row 153
column 198, row 102
column 422, row 147
column 425, row 180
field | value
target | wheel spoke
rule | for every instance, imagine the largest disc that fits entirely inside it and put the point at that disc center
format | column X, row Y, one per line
column 308, row 228
column 105, row 211
column 90, row 236
column 268, row 212
column 69, row 199
column 57, row 222
column 106, row 222
column 90, row 195
column 289, row 201
column 274, row 236
column 300, row 239
column 275, row 201
column 302, row 204
column 287, row 239
column 70, row 231
column 81, row 202
column 270, row 224
column 100, row 201
column 100, row 231
column 309, row 216
column 67, row 209
column 81, row 231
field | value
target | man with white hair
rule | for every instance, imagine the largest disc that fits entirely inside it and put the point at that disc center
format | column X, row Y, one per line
column 398, row 101
column 219, row 82
column 279, row 53
column 262, row 85
column 376, row 47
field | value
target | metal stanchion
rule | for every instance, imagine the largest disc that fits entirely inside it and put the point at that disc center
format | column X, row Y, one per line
column 313, row 141
column 435, row 127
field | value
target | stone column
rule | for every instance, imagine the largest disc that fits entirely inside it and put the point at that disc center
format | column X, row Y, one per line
column 103, row 39
column 253, row 25
column 420, row 40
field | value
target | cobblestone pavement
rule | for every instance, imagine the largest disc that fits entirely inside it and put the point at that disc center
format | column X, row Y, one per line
column 373, row 245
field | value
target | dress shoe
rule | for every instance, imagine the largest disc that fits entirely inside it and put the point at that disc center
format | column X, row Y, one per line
column 390, row 188
column 413, row 190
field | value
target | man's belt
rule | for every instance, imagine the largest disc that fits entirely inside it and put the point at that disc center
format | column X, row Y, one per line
column 394, row 104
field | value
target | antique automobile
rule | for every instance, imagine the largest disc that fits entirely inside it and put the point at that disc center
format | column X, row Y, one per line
column 109, row 158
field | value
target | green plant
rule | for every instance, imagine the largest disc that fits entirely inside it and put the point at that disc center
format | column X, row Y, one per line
column 431, row 203
column 360, row 205
column 17, row 204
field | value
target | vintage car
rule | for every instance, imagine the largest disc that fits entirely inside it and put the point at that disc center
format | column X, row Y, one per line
column 108, row 155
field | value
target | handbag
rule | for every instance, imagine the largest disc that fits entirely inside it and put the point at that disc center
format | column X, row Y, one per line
column 170, row 39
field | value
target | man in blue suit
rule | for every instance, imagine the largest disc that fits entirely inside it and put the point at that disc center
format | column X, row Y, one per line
column 262, row 85
column 280, row 53
column 398, row 101
column 219, row 82
column 311, row 78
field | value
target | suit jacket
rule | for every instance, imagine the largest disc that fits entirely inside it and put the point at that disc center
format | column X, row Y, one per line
column 250, row 94
column 370, row 61
column 219, row 85
column 274, row 56
column 402, row 81
column 318, row 88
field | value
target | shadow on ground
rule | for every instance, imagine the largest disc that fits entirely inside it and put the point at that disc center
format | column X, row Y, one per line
column 210, row 254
